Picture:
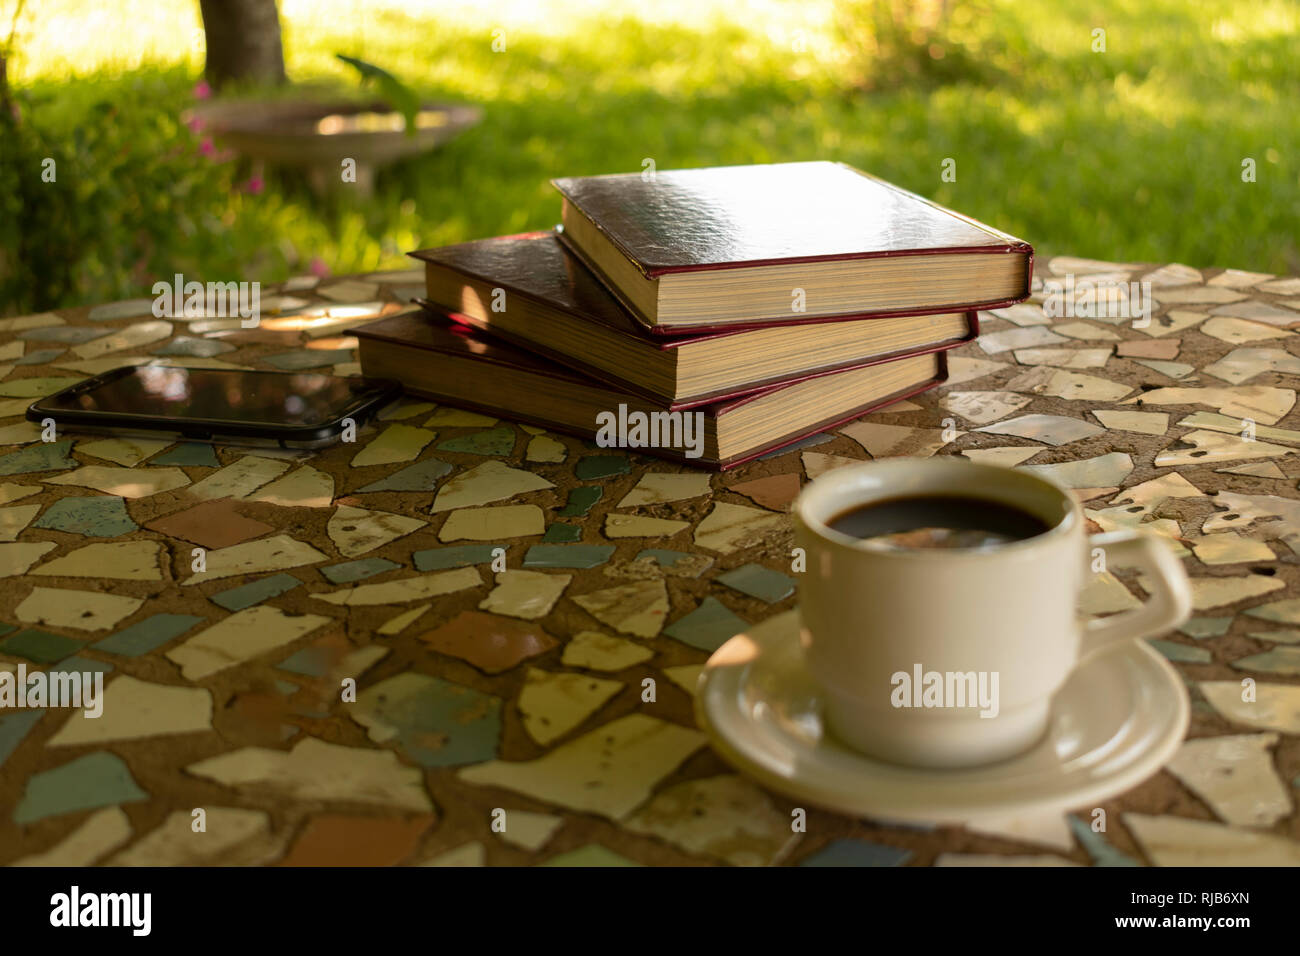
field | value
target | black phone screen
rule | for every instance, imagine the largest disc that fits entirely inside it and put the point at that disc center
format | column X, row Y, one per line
column 289, row 400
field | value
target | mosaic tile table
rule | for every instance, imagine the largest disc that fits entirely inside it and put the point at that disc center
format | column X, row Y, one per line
column 523, row 693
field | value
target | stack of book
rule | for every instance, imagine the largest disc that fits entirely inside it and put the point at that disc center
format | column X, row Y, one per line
column 705, row 315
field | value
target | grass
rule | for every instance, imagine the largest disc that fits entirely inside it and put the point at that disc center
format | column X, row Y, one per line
column 1134, row 154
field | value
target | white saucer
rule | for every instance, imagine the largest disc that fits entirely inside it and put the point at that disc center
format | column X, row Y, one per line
column 1116, row 721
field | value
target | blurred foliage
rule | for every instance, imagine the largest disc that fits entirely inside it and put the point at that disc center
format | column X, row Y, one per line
column 1133, row 154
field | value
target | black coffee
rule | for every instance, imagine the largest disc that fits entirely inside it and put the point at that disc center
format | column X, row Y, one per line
column 939, row 521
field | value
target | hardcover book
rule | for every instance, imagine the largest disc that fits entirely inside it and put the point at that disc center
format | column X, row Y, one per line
column 529, row 291
column 781, row 244
column 435, row 357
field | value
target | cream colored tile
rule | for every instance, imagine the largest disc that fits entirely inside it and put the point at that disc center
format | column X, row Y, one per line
column 552, row 704
column 102, row 833
column 405, row 589
column 483, row 484
column 304, row 488
column 79, row 610
column 639, row 526
column 356, row 531
column 123, row 482
column 1235, row 775
column 659, row 487
column 396, row 443
column 492, row 524
column 525, row 594
column 1178, row 841
column 133, row 709
column 729, row 528
column 115, row 560
column 603, row 652
column 123, row 451
column 640, row 608
column 276, row 553
column 1255, row 704
column 241, row 637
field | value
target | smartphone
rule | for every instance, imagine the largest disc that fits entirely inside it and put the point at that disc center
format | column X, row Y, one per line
column 281, row 409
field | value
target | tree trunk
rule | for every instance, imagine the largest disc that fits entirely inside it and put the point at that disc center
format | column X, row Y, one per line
column 243, row 39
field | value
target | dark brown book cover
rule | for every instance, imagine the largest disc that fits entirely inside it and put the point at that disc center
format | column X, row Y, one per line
column 731, row 216
column 432, row 331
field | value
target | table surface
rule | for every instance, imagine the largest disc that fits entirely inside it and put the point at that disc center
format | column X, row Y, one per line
column 502, row 720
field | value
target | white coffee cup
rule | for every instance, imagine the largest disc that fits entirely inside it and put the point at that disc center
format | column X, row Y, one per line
column 998, row 620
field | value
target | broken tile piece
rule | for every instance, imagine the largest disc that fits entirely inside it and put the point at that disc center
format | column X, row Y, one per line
column 591, row 467
column 1260, row 403
column 640, row 526
column 759, row 582
column 404, row 589
column 1274, row 707
column 1204, row 447
column 11, row 491
column 242, row 636
column 486, row 483
column 1235, row 775
column 725, row 818
column 396, row 625
column 1243, row 364
column 962, row 370
column 1178, row 841
column 1096, row 472
column 659, row 487
column 1051, row 429
column 1257, row 469
column 39, row 646
column 685, row 676
column 276, row 553
column 608, row 771
column 239, row 479
column 567, row 555
column 117, row 560
column 1032, row 336
column 133, row 709
column 1230, row 548
column 124, row 482
column 491, row 643
column 458, row 418
column 316, row 770
column 638, row 608
column 1063, row 358
column 213, row 524
column 99, row 517
column 1072, row 386
column 79, row 610
column 1008, row 456
column 676, row 563
column 355, row 531
column 255, row 592
column 580, row 501
column 552, row 704
column 562, row 533
column 816, row 464
column 603, row 652
column 495, row 441
column 729, row 528
column 96, row 780
column 530, row 831
column 350, row 571
column 1199, row 628
column 707, row 627
column 47, row 456
column 492, row 524
column 1284, row 661
column 894, row 441
column 338, row 840
column 774, row 492
column 422, row 476
column 1144, row 423
column 545, row 450
column 434, row 722
column 981, row 408
column 14, row 520
column 525, row 594
column 306, row 487
column 147, row 635
column 396, row 443
column 1240, row 331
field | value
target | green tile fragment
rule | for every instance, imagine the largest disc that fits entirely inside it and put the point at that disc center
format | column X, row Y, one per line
column 1279, row 660
column 147, row 635
column 671, row 559
column 255, row 592
column 350, row 571
column 759, row 582
column 309, row 662
column 459, row 556
column 707, row 627
column 67, row 334
column 98, row 516
column 1097, row 847
column 79, row 664
column 39, row 646
column 190, row 454
column 39, row 357
column 96, row 780
column 434, row 722
column 422, row 476
column 46, row 456
column 601, row 466
column 580, row 501
column 1199, row 628
column 567, row 555
column 851, row 852
column 560, row 533
column 14, row 726
column 494, row 441
column 1181, row 652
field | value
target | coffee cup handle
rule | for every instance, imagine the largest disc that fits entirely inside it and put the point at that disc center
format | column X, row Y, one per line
column 1171, row 597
